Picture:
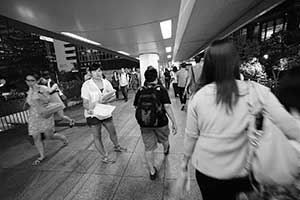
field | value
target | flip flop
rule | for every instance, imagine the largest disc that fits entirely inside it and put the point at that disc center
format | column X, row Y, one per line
column 106, row 160
column 38, row 161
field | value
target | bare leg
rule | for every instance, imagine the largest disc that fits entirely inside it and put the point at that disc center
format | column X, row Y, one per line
column 63, row 116
column 149, row 156
column 110, row 127
column 39, row 145
column 57, row 136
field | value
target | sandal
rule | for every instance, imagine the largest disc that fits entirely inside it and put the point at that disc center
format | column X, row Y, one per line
column 72, row 123
column 106, row 160
column 38, row 161
column 118, row 148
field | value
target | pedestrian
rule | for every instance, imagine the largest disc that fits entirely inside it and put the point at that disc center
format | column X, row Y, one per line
column 174, row 81
column 153, row 107
column 99, row 90
column 55, row 96
column 217, row 124
column 134, row 79
column 39, row 127
column 167, row 78
column 124, row 80
column 194, row 74
column 182, row 76
column 115, row 83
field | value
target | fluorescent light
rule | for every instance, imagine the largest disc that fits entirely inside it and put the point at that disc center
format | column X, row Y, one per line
column 46, row 38
column 80, row 38
column 166, row 29
column 168, row 49
column 122, row 52
column 169, row 56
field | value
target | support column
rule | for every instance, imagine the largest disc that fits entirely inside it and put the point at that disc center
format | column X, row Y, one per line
column 147, row 60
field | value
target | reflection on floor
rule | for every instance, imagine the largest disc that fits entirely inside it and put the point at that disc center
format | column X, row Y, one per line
column 76, row 171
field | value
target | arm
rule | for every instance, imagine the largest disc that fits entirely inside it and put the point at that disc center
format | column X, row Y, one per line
column 170, row 114
column 43, row 94
column 109, row 93
column 280, row 117
column 88, row 106
column 189, row 80
column 191, row 135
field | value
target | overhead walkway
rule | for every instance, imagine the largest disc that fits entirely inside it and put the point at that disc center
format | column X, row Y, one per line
column 76, row 171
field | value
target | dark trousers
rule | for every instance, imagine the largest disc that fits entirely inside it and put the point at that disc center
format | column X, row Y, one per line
column 167, row 83
column 124, row 92
column 117, row 92
column 175, row 87
column 181, row 96
column 216, row 189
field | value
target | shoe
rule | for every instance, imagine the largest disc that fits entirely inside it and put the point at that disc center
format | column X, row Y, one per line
column 182, row 108
column 166, row 152
column 106, row 160
column 118, row 148
column 65, row 143
column 72, row 123
column 38, row 161
column 153, row 176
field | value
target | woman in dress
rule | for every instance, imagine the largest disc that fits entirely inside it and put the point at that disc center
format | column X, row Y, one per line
column 40, row 128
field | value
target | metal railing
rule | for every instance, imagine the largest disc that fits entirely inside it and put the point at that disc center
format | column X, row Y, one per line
column 12, row 114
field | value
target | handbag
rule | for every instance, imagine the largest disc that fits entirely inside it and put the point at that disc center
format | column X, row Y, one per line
column 272, row 159
column 47, row 110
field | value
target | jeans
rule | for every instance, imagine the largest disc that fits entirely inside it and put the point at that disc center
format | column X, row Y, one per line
column 124, row 92
column 181, row 96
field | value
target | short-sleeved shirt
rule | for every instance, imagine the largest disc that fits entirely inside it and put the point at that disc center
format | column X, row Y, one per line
column 163, row 96
column 182, row 76
column 92, row 93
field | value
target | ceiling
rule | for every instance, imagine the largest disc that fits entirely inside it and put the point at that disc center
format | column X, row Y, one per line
column 133, row 26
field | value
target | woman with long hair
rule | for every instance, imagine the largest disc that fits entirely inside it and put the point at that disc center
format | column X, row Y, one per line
column 217, row 122
column 40, row 128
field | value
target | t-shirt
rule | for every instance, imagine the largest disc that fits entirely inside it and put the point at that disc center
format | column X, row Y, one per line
column 123, row 79
column 164, row 98
column 182, row 76
column 92, row 93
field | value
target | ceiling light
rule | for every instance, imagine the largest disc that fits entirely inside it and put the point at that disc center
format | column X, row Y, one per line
column 80, row 38
column 122, row 52
column 166, row 29
column 169, row 56
column 48, row 39
column 168, row 49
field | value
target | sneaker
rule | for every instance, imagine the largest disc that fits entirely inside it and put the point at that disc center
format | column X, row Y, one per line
column 153, row 176
column 166, row 152
column 182, row 108
column 118, row 148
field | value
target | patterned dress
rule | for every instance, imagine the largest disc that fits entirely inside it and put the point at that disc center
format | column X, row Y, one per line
column 36, row 123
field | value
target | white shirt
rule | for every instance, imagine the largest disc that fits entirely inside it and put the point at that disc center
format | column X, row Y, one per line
column 92, row 93
column 123, row 79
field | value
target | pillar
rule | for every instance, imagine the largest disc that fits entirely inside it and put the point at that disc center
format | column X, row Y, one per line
column 147, row 60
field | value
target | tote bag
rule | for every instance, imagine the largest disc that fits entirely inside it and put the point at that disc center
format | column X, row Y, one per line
column 274, row 160
column 47, row 110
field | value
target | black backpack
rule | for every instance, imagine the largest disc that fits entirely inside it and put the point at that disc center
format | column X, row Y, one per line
column 149, row 108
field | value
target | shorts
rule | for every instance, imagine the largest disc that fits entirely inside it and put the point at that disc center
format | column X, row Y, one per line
column 152, row 136
column 95, row 121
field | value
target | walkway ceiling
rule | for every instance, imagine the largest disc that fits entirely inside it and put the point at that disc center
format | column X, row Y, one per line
column 133, row 26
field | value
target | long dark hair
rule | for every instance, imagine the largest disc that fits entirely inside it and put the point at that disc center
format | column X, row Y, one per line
column 221, row 65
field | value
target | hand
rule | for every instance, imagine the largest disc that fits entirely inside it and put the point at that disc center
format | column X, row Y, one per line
column 174, row 128
column 185, row 92
column 90, row 112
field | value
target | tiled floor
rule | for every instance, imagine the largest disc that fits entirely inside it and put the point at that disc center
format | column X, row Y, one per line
column 76, row 171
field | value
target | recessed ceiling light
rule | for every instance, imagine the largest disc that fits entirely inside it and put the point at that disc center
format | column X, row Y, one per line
column 122, row 52
column 72, row 35
column 166, row 29
column 168, row 49
column 169, row 56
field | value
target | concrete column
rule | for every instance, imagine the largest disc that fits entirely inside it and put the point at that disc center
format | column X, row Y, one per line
column 147, row 60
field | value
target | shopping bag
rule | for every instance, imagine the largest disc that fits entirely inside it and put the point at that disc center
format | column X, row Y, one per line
column 103, row 111
column 49, row 109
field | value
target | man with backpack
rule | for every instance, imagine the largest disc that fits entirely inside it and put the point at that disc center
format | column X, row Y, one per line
column 153, row 105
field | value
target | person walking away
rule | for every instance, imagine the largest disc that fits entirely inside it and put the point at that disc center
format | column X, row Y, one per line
column 134, row 80
column 153, row 105
column 115, row 83
column 174, row 81
column 167, row 78
column 182, row 76
column 216, row 139
column 93, row 91
column 194, row 74
column 55, row 96
column 124, row 80
column 40, row 128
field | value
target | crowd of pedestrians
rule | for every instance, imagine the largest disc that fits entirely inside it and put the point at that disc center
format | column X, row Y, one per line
column 219, row 114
